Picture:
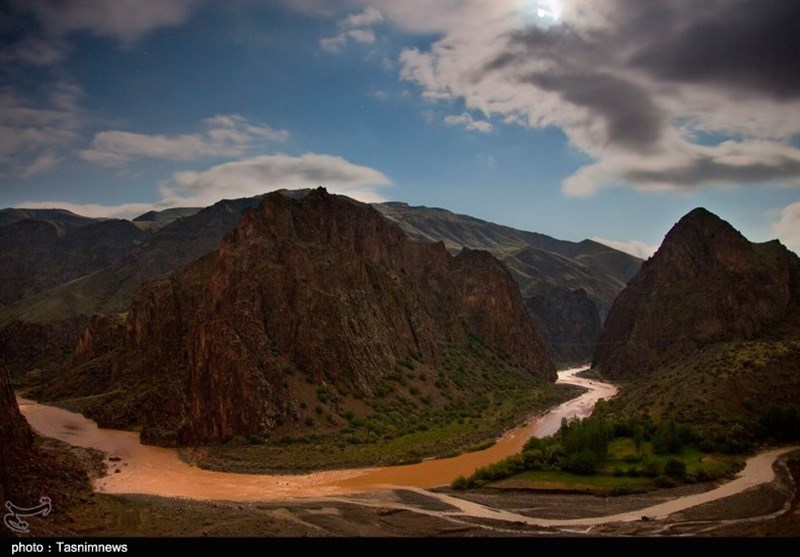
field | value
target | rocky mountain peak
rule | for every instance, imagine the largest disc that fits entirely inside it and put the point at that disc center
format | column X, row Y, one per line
column 705, row 284
column 701, row 240
column 321, row 287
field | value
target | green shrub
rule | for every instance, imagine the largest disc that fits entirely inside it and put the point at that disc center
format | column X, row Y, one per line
column 675, row 468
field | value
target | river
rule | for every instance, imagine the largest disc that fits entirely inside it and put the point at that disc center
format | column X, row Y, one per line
column 152, row 470
column 144, row 469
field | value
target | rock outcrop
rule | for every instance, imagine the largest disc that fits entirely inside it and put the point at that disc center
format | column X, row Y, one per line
column 16, row 441
column 706, row 284
column 323, row 285
column 30, row 346
column 569, row 323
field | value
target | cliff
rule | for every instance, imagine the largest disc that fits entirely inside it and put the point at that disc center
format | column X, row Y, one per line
column 322, row 287
column 16, row 442
column 569, row 323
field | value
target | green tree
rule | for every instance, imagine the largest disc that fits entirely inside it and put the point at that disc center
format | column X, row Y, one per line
column 667, row 439
column 675, row 468
column 638, row 438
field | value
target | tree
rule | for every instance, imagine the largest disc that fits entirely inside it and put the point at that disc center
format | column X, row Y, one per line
column 667, row 439
column 675, row 468
column 638, row 438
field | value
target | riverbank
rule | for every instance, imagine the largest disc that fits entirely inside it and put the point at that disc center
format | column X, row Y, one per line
column 770, row 509
column 372, row 502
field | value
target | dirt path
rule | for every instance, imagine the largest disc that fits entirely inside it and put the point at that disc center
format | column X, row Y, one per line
column 758, row 471
column 141, row 469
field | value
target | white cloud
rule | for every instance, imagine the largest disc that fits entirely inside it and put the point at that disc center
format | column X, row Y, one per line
column 246, row 178
column 333, row 44
column 356, row 28
column 44, row 161
column 631, row 90
column 787, row 229
column 468, row 122
column 227, row 135
column 633, row 247
column 34, row 135
column 370, row 16
column 363, row 36
column 123, row 20
column 36, row 51
column 268, row 172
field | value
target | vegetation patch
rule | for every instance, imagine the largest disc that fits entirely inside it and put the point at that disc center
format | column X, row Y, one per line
column 598, row 455
column 472, row 395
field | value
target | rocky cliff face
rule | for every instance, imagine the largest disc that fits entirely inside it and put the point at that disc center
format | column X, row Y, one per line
column 16, row 441
column 542, row 266
column 569, row 323
column 322, row 285
column 706, row 284
column 27, row 346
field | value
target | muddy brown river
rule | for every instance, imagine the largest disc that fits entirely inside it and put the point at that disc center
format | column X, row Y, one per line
column 152, row 470
column 159, row 471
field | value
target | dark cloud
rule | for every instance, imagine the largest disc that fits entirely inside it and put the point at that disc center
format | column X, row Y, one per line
column 560, row 45
column 632, row 118
column 708, row 171
column 744, row 44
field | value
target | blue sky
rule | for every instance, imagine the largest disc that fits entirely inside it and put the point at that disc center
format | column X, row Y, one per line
column 607, row 120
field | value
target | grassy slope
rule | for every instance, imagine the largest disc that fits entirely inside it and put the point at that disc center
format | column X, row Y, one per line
column 722, row 383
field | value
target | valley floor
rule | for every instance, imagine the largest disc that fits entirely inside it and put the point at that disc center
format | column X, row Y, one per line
column 767, row 510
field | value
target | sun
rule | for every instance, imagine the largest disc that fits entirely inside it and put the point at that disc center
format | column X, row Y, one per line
column 547, row 11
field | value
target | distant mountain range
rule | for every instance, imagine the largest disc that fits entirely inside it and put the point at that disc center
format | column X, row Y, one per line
column 62, row 267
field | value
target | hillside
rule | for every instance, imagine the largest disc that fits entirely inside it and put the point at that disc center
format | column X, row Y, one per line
column 709, row 329
column 319, row 293
column 542, row 266
column 45, row 250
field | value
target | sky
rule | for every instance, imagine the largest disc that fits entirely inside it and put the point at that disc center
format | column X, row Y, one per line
column 601, row 119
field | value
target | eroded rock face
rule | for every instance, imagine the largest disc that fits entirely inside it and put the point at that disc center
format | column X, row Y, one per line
column 323, row 285
column 25, row 346
column 569, row 323
column 706, row 284
column 100, row 336
column 16, row 441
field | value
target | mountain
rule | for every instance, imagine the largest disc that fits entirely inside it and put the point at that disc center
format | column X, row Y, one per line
column 706, row 284
column 61, row 218
column 318, row 291
column 542, row 266
column 709, row 328
column 48, row 248
column 602, row 271
column 41, row 329
column 59, row 294
column 155, row 220
column 568, row 322
column 111, row 289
